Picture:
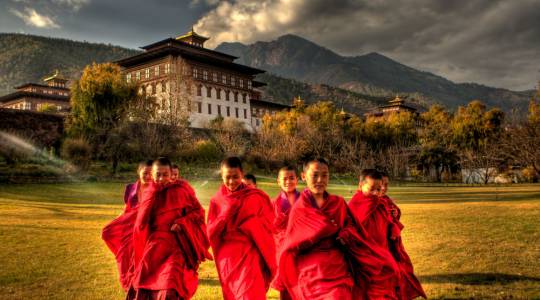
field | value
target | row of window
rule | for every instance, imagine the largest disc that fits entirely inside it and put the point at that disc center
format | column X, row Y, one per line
column 225, row 113
column 218, row 93
column 155, row 71
column 21, row 105
column 221, row 77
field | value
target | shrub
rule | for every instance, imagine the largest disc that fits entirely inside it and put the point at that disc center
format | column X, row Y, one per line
column 78, row 152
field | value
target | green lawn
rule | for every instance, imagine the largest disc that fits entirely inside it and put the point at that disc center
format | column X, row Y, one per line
column 465, row 242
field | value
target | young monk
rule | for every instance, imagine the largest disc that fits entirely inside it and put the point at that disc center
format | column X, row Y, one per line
column 409, row 286
column 376, row 227
column 175, row 172
column 239, row 228
column 287, row 181
column 167, row 240
column 134, row 190
column 250, row 180
column 312, row 264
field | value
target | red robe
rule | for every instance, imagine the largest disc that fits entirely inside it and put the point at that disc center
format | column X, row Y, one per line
column 409, row 285
column 313, row 264
column 282, row 209
column 239, row 229
column 379, row 230
column 161, row 259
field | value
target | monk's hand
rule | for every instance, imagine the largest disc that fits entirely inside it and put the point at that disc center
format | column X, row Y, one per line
column 175, row 227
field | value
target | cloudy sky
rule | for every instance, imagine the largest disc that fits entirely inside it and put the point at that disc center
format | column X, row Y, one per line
column 493, row 42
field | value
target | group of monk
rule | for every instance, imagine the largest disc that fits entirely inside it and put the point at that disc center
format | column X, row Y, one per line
column 306, row 244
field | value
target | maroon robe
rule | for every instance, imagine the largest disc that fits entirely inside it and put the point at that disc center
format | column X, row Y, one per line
column 377, row 229
column 240, row 232
column 161, row 261
column 313, row 264
column 282, row 209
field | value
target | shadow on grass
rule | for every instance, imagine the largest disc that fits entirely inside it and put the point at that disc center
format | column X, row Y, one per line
column 476, row 278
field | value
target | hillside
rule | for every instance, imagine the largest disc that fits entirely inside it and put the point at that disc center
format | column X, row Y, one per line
column 28, row 58
column 294, row 57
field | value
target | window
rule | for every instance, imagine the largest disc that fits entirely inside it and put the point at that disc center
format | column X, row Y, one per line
column 167, row 68
column 214, row 76
column 205, row 75
column 227, row 96
column 233, row 80
column 235, row 97
column 219, row 110
column 241, row 82
column 244, row 98
column 147, row 73
column 195, row 73
column 209, row 108
column 199, row 90
column 27, row 105
column 218, row 93
column 245, row 113
column 156, row 71
column 236, row 112
column 199, row 107
column 257, row 122
column 228, row 111
column 209, row 92
column 249, row 84
column 224, row 79
column 138, row 75
column 128, row 77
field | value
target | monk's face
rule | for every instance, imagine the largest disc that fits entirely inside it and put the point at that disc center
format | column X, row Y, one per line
column 161, row 174
column 232, row 177
column 175, row 173
column 145, row 175
column 371, row 186
column 287, row 181
column 249, row 183
column 384, row 186
column 316, row 178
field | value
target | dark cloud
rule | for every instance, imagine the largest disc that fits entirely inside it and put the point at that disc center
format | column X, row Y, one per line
column 494, row 42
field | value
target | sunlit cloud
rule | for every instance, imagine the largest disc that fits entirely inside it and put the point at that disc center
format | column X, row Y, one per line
column 32, row 18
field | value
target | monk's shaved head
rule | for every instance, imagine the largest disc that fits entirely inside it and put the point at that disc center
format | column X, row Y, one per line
column 318, row 160
column 231, row 163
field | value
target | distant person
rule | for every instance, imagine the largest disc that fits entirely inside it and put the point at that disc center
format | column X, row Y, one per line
column 239, row 228
column 288, row 195
column 168, row 240
column 409, row 285
column 313, row 264
column 133, row 191
column 175, row 172
column 379, row 231
column 250, row 180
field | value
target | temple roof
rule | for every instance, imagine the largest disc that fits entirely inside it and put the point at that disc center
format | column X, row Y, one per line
column 173, row 46
column 21, row 94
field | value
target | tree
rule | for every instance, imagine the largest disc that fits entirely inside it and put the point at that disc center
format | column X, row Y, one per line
column 100, row 102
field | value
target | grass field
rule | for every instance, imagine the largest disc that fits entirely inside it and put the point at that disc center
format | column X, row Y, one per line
column 465, row 242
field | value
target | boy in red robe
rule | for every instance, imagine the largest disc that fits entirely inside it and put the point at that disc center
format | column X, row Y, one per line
column 379, row 229
column 313, row 264
column 240, row 232
column 287, row 181
column 168, row 240
column 409, row 286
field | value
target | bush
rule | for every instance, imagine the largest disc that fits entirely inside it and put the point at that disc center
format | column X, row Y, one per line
column 78, row 152
column 203, row 151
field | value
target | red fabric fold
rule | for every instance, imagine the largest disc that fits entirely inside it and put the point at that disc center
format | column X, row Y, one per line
column 239, row 229
column 312, row 264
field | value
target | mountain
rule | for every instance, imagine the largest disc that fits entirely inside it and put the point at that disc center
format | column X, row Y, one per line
column 294, row 57
column 29, row 58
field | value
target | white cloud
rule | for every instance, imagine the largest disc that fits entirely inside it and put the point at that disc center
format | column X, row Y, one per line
column 73, row 4
column 32, row 18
